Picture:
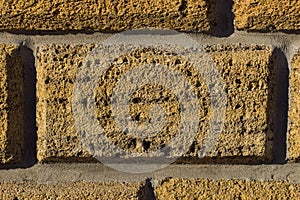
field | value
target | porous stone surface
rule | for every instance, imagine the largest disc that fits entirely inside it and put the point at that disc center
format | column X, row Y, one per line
column 105, row 15
column 10, row 104
column 247, row 75
column 174, row 188
column 70, row 190
column 249, row 78
column 267, row 15
column 294, row 113
column 56, row 68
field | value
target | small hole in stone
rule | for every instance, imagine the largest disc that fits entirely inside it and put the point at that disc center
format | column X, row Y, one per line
column 125, row 60
column 137, row 117
column 188, row 72
column 146, row 145
column 177, row 62
column 250, row 87
column 136, row 100
column 167, row 98
column 47, row 80
column 237, row 106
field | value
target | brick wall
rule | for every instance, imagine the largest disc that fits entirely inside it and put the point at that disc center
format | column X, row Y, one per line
column 251, row 46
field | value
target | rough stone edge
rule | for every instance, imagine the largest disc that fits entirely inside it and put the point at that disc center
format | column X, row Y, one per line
column 293, row 50
column 15, row 138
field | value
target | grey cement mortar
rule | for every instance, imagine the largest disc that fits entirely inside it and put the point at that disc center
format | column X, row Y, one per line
column 239, row 37
column 67, row 172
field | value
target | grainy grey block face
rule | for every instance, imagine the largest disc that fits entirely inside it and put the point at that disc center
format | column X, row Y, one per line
column 123, row 143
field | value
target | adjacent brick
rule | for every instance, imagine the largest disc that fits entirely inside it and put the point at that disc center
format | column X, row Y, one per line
column 247, row 74
column 70, row 190
column 294, row 113
column 225, row 189
column 267, row 15
column 56, row 68
column 11, row 119
column 104, row 15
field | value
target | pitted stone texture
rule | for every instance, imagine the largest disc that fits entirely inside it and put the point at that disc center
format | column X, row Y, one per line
column 248, row 130
column 104, row 15
column 10, row 104
column 56, row 68
column 247, row 76
column 70, row 190
column 146, row 97
column 225, row 189
column 294, row 113
column 267, row 15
